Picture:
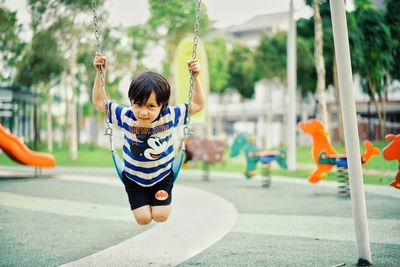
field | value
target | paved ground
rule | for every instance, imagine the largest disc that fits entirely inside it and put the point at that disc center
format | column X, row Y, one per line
column 81, row 217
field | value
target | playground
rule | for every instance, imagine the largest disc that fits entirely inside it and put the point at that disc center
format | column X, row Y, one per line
column 225, row 151
column 291, row 223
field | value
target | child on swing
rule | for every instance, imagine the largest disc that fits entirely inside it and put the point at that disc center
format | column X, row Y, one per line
column 148, row 148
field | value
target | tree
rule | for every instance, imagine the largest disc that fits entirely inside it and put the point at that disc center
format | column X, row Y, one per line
column 306, row 74
column 270, row 57
column 377, row 56
column 392, row 20
column 70, row 29
column 172, row 20
column 330, row 55
column 217, row 54
column 304, row 30
column 242, row 70
column 320, row 65
column 41, row 62
column 41, row 65
column 356, row 57
column 141, row 36
column 10, row 44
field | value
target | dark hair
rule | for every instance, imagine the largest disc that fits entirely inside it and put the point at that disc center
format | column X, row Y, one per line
column 147, row 82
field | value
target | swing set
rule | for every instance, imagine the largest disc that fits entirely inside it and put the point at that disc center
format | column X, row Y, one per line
column 179, row 158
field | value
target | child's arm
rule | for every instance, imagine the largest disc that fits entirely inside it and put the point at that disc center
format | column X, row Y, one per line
column 97, row 94
column 198, row 95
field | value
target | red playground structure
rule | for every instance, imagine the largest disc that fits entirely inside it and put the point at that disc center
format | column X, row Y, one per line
column 392, row 152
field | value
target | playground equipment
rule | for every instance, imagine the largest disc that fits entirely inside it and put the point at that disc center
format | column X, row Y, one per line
column 206, row 151
column 19, row 152
column 179, row 158
column 392, row 152
column 325, row 157
column 254, row 155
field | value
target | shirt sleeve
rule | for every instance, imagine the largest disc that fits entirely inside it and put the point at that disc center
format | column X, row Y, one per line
column 180, row 114
column 116, row 113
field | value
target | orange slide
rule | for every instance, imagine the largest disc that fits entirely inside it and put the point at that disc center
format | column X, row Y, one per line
column 19, row 152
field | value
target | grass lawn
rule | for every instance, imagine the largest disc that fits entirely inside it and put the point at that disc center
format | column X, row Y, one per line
column 92, row 157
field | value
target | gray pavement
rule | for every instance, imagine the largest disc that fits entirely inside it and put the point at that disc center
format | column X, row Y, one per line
column 81, row 217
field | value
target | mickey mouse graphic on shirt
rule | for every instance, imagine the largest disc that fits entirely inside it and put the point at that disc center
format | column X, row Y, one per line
column 149, row 146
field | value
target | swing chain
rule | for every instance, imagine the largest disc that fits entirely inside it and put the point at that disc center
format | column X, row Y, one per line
column 108, row 131
column 96, row 25
column 186, row 129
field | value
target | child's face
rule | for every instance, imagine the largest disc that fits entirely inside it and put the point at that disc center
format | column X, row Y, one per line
column 147, row 113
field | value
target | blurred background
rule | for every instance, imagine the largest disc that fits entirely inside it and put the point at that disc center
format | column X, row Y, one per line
column 46, row 72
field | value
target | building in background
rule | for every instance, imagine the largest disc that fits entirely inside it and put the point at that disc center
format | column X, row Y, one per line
column 265, row 115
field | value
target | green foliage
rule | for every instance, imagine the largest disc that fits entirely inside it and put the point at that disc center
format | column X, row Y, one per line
column 305, row 28
column 119, row 61
column 41, row 62
column 392, row 20
column 217, row 54
column 305, row 32
column 270, row 57
column 328, row 48
column 172, row 20
column 140, row 36
column 356, row 43
column 177, row 17
column 80, row 4
column 376, row 48
column 363, row 4
column 242, row 70
column 309, row 2
column 86, row 74
column 39, row 9
column 10, row 44
column 306, row 74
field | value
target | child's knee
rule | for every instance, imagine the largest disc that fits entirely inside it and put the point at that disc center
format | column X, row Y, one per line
column 142, row 215
column 143, row 220
column 160, row 217
column 160, row 213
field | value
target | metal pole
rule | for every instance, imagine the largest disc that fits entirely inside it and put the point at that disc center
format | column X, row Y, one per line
column 348, row 106
column 291, row 76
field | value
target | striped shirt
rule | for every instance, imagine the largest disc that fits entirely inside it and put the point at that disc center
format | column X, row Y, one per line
column 148, row 152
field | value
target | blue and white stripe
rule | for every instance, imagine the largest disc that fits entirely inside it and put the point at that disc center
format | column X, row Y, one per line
column 139, row 169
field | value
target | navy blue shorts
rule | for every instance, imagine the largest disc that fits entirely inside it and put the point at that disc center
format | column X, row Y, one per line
column 159, row 194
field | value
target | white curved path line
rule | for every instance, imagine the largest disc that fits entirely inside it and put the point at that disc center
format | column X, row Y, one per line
column 198, row 220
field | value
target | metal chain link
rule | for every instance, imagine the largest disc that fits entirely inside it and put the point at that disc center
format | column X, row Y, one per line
column 186, row 129
column 108, row 131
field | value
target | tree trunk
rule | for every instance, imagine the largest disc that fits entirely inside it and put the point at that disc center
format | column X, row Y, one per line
column 49, row 123
column 383, row 101
column 382, row 123
column 377, row 109
column 37, row 119
column 65, row 127
column 320, row 65
column 73, row 146
column 337, row 101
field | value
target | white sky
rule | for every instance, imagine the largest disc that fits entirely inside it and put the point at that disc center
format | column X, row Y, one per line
column 222, row 12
